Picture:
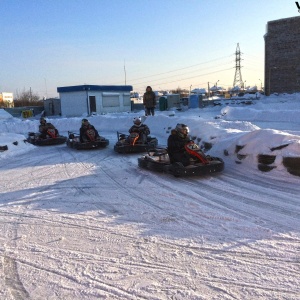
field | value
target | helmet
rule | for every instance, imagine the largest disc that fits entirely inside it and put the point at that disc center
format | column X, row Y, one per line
column 42, row 120
column 137, row 121
column 182, row 130
column 84, row 120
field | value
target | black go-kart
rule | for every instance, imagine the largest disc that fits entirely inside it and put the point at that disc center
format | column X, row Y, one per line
column 51, row 138
column 132, row 144
column 92, row 142
column 200, row 164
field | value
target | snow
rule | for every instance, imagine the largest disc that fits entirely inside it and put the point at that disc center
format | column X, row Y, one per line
column 93, row 225
column 4, row 114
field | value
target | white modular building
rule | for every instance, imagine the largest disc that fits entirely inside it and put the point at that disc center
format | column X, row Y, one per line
column 7, row 99
column 87, row 99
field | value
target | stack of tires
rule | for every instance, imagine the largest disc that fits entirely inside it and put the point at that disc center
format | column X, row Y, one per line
column 265, row 162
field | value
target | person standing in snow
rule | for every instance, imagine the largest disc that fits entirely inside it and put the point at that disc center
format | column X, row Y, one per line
column 176, row 142
column 149, row 101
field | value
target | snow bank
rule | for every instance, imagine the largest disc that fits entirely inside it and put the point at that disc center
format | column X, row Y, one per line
column 4, row 115
column 15, row 143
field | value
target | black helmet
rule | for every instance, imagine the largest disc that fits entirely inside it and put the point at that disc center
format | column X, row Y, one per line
column 42, row 120
column 84, row 120
column 182, row 130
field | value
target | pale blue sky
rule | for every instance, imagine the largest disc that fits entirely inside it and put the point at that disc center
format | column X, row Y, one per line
column 164, row 43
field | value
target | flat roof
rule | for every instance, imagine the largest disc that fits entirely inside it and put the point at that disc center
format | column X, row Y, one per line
column 101, row 88
column 297, row 18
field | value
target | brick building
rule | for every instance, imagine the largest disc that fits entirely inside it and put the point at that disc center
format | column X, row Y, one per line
column 282, row 56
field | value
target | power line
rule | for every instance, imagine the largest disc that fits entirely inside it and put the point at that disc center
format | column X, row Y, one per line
column 138, row 83
column 182, row 79
column 176, row 70
column 257, row 70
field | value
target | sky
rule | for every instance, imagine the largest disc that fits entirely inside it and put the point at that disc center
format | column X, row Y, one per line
column 165, row 44
column 93, row 225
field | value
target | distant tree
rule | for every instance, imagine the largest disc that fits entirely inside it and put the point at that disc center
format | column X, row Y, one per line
column 27, row 98
column 181, row 92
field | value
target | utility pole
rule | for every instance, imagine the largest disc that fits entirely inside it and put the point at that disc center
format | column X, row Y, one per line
column 46, row 88
column 238, row 75
column 208, row 91
column 125, row 71
column 260, row 85
column 216, row 87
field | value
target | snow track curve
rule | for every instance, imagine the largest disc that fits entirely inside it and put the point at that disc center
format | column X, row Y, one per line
column 92, row 225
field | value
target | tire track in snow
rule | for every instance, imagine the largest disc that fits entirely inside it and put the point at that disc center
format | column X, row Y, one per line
column 12, row 279
column 21, row 294
column 106, row 170
column 217, row 195
column 10, row 267
column 104, row 165
column 233, row 201
column 286, row 185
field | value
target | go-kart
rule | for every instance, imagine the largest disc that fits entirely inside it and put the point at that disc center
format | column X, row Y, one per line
column 92, row 142
column 51, row 138
column 133, row 143
column 200, row 164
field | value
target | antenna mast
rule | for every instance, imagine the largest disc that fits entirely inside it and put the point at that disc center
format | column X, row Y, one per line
column 238, row 75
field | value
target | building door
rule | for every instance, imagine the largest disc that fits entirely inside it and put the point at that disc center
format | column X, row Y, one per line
column 51, row 108
column 92, row 100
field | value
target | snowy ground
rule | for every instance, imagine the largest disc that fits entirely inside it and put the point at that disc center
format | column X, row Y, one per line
column 92, row 225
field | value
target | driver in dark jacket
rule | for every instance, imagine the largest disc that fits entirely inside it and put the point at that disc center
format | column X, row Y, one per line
column 176, row 142
column 44, row 127
column 84, row 131
column 140, row 128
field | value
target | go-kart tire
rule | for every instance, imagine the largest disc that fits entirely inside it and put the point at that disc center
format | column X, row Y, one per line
column 142, row 163
column 292, row 165
column 266, row 159
column 291, row 162
column 176, row 168
column 265, row 167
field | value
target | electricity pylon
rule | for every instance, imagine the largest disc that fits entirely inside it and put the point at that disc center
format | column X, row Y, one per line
column 238, row 75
